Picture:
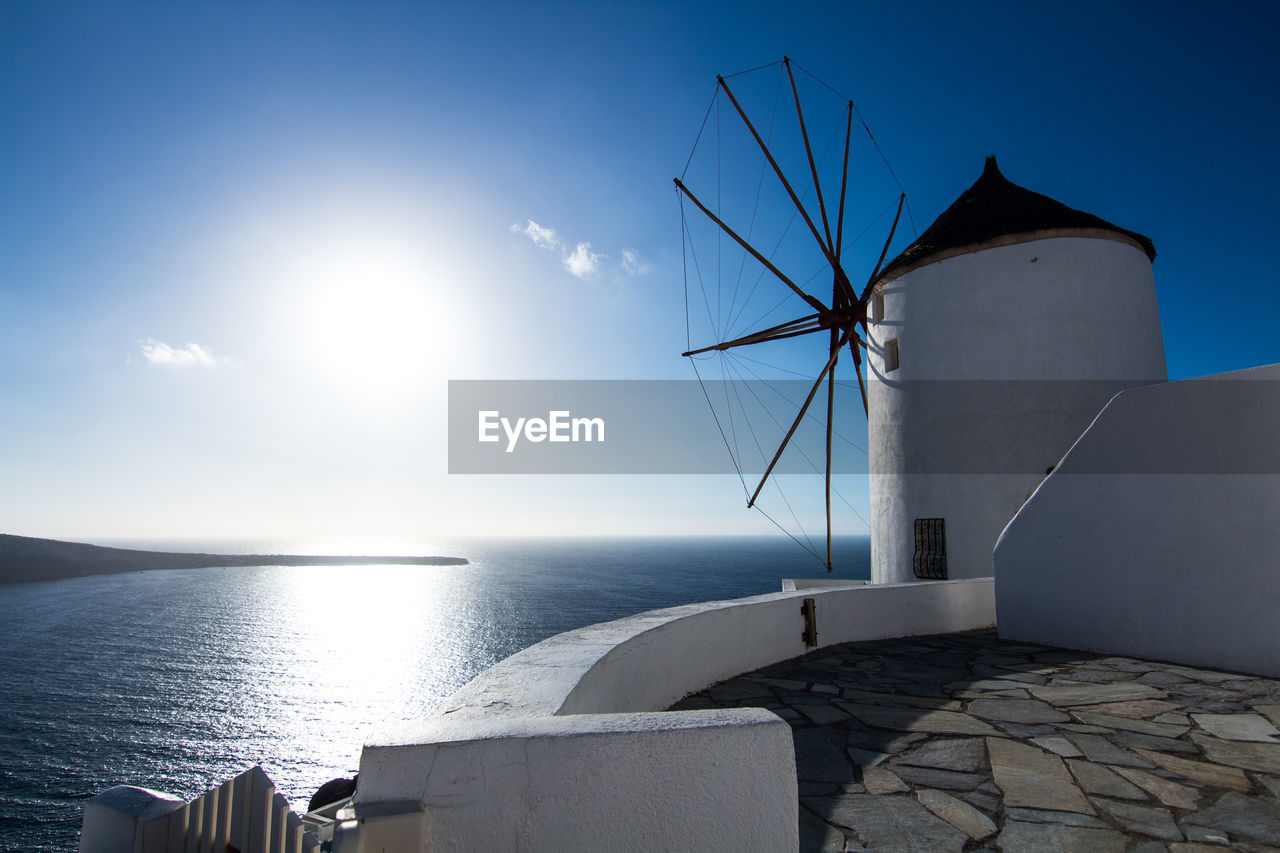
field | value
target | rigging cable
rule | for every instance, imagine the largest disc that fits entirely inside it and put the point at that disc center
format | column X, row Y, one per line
column 694, row 150
column 810, row 547
column 684, row 269
column 702, row 287
column 773, row 253
column 757, row 68
column 870, row 136
column 800, row 449
column 733, row 429
column 767, row 384
column 716, row 418
column 773, row 121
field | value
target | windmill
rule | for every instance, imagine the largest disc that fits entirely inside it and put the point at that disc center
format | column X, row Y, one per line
column 838, row 316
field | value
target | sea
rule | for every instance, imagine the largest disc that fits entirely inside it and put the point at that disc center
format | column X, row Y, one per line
column 178, row 680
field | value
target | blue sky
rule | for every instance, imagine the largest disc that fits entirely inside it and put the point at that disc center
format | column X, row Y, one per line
column 189, row 191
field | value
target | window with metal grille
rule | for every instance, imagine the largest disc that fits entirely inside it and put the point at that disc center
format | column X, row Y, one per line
column 930, row 561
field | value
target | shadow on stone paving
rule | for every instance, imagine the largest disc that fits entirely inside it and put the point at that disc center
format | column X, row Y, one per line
column 968, row 742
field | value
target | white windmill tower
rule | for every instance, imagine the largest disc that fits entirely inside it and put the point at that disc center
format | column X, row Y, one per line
column 993, row 341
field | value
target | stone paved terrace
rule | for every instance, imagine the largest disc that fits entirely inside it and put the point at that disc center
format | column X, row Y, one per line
column 970, row 742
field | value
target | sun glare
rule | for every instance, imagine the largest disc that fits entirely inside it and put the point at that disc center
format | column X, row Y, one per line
column 376, row 317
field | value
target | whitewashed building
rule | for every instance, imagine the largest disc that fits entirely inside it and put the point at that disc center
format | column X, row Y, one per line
column 994, row 340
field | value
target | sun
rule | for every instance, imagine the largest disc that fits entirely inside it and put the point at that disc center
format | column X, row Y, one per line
column 375, row 316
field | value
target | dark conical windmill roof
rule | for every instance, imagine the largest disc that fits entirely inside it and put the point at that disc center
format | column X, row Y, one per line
column 995, row 207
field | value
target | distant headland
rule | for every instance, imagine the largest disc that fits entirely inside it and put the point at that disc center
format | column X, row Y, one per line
column 24, row 558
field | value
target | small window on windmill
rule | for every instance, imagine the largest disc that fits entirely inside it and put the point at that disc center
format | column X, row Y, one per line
column 890, row 355
column 877, row 308
column 930, row 561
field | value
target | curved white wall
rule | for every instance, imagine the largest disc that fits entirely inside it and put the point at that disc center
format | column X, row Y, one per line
column 1005, row 355
column 564, row 746
column 1157, row 536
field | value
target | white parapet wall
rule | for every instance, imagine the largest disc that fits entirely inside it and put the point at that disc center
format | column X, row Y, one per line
column 1157, row 535
column 566, row 746
column 705, row 780
column 124, row 818
column 793, row 584
column 244, row 813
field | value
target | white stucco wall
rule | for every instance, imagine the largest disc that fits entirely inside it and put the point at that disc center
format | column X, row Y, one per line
column 1158, row 534
column 565, row 745
column 698, row 780
column 121, row 819
column 1005, row 355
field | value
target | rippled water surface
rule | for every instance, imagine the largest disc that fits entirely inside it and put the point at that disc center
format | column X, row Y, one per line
column 177, row 680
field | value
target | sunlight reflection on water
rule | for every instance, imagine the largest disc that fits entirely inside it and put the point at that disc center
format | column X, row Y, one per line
column 177, row 680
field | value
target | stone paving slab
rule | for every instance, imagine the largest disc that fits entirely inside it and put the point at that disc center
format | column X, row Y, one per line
column 967, row 742
column 1032, row 778
column 958, row 813
column 1238, row 727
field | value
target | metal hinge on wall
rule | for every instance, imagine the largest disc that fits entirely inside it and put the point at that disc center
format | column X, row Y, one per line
column 810, row 611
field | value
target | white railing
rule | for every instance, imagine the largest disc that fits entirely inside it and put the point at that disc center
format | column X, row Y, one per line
column 244, row 814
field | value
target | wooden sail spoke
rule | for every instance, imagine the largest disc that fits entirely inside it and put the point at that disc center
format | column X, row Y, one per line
column 831, row 362
column 794, row 328
column 871, row 281
column 808, row 150
column 795, row 199
column 857, row 369
column 814, row 301
column 831, row 416
column 844, row 184
column 833, row 255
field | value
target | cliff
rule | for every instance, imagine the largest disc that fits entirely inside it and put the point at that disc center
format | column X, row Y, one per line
column 24, row 558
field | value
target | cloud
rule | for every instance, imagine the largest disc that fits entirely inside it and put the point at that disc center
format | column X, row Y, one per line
column 582, row 262
column 192, row 355
column 542, row 237
column 632, row 264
